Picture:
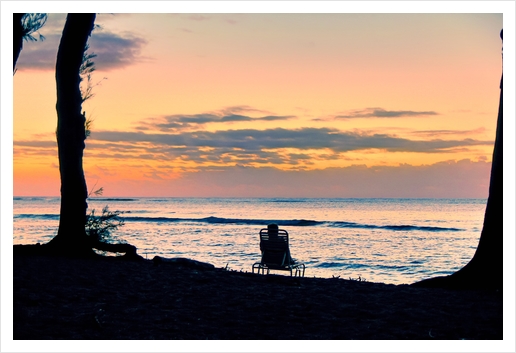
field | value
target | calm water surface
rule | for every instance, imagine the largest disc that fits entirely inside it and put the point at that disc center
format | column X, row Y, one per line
column 380, row 240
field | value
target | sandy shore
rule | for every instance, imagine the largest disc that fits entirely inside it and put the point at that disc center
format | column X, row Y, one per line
column 108, row 298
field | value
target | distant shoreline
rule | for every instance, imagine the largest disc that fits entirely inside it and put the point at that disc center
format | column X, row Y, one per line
column 130, row 198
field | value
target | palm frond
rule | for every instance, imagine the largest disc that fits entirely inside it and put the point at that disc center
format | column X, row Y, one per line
column 32, row 23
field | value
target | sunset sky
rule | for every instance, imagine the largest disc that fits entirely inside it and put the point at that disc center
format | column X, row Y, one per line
column 272, row 104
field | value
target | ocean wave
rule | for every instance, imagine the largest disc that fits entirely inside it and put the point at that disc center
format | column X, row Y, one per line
column 357, row 265
column 329, row 265
column 393, row 227
column 36, row 216
column 262, row 222
column 112, row 199
column 37, row 198
column 344, row 265
column 219, row 220
column 287, row 200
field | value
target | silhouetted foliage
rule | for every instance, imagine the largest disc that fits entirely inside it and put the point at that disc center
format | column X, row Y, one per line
column 99, row 228
column 96, row 192
column 86, row 69
column 25, row 25
column 32, row 23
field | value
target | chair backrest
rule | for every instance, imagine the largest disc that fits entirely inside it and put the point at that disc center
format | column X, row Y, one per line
column 274, row 247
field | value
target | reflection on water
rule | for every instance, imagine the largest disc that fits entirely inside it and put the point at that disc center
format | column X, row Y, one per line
column 381, row 240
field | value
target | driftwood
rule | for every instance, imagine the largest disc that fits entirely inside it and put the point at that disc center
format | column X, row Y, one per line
column 128, row 249
column 183, row 261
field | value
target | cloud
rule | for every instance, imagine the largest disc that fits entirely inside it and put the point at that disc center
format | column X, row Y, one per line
column 480, row 130
column 461, row 179
column 446, row 179
column 178, row 138
column 179, row 122
column 113, row 51
column 40, row 55
column 382, row 113
column 116, row 51
column 304, row 139
column 187, row 167
column 243, row 109
column 36, row 144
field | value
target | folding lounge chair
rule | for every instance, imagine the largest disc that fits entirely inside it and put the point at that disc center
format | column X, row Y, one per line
column 276, row 254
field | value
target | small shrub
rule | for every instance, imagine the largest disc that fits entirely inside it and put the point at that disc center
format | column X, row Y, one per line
column 99, row 228
column 358, row 279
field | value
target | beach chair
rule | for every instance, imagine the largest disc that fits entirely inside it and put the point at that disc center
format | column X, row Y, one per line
column 274, row 246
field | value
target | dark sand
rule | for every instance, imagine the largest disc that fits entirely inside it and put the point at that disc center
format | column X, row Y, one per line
column 58, row 298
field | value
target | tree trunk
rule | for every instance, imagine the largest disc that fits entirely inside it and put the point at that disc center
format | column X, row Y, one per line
column 485, row 270
column 17, row 37
column 71, row 236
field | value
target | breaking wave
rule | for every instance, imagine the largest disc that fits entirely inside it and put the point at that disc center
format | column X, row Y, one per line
column 263, row 222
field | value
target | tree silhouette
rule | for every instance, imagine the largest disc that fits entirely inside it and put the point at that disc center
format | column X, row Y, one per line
column 24, row 25
column 73, row 63
column 485, row 270
column 71, row 235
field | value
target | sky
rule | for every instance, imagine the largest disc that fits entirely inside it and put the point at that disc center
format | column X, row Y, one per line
column 261, row 104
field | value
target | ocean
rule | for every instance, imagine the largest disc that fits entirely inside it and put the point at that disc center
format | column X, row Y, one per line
column 392, row 241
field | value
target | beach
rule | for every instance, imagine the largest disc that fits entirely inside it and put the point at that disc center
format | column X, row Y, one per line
column 108, row 298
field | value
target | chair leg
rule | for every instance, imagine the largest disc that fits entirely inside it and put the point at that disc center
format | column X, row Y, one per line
column 300, row 271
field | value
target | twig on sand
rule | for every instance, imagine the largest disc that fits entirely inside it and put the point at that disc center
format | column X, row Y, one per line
column 100, row 312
